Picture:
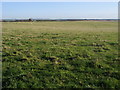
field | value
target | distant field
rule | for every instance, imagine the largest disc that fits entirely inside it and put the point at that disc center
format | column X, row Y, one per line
column 71, row 54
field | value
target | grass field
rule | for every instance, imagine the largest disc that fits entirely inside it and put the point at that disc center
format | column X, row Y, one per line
column 66, row 54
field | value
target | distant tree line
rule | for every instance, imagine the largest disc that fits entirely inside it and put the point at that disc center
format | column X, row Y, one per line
column 32, row 20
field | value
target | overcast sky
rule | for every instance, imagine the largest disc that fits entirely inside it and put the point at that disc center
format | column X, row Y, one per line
column 59, row 10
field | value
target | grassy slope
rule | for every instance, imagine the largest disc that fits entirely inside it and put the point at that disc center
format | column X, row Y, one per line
column 60, row 54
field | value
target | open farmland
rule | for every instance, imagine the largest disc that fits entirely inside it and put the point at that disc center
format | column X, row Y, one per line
column 54, row 54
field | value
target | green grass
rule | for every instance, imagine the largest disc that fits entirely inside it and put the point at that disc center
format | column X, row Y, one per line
column 79, row 54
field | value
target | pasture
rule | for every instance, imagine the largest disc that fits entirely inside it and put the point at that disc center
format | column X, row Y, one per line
column 66, row 54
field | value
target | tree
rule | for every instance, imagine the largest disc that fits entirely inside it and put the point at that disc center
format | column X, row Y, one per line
column 30, row 19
